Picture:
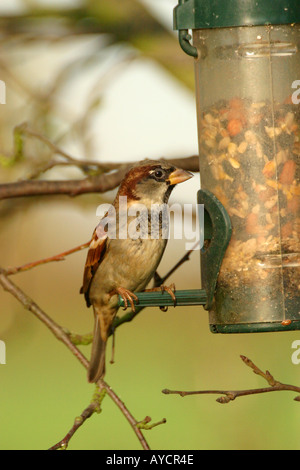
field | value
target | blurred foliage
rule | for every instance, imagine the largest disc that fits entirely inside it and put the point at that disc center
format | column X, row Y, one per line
column 125, row 21
column 115, row 23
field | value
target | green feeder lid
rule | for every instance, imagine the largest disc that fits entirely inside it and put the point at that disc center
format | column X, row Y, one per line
column 205, row 14
column 199, row 14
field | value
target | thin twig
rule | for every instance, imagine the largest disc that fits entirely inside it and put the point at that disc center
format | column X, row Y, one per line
column 159, row 281
column 30, row 305
column 129, row 417
column 79, row 420
column 33, row 264
column 145, row 424
column 24, row 129
column 93, row 407
column 60, row 334
column 230, row 395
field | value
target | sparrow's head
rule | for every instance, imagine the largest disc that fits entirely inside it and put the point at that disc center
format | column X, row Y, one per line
column 151, row 182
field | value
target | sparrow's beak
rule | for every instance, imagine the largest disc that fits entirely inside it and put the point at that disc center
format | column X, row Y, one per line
column 179, row 176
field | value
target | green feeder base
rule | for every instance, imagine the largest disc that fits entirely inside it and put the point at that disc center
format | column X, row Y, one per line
column 263, row 327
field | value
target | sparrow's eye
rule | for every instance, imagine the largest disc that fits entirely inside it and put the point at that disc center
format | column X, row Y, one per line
column 159, row 174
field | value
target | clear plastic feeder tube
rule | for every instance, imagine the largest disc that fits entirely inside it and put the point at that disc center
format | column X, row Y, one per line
column 249, row 146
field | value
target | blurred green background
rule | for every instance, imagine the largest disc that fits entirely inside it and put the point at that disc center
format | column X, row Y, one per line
column 108, row 81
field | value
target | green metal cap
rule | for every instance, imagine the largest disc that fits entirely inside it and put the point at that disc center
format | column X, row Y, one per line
column 199, row 14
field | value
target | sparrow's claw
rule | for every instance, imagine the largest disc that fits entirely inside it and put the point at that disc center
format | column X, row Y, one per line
column 170, row 289
column 127, row 296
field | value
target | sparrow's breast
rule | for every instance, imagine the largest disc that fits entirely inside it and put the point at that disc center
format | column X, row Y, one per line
column 127, row 263
column 138, row 262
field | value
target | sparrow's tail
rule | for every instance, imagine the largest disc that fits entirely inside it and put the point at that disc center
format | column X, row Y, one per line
column 97, row 363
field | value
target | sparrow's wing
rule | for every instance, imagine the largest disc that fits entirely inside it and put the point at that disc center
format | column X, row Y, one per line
column 94, row 257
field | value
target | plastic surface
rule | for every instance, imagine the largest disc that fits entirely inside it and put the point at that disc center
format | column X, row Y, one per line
column 163, row 299
column 217, row 233
column 196, row 14
column 249, row 144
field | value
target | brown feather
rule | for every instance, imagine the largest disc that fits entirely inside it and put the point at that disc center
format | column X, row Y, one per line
column 135, row 174
column 95, row 254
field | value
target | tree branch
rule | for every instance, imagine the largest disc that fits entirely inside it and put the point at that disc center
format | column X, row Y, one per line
column 92, row 184
column 230, row 395
column 87, row 166
column 30, row 305
column 60, row 334
column 94, row 407
column 33, row 264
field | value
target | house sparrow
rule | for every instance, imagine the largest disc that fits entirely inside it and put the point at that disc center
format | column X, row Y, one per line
column 122, row 265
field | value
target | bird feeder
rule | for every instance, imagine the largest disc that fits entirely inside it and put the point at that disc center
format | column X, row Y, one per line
column 247, row 72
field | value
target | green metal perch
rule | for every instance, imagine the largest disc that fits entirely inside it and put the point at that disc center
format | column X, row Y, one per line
column 163, row 299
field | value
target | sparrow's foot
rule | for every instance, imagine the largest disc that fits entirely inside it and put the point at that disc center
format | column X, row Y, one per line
column 127, row 296
column 170, row 289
